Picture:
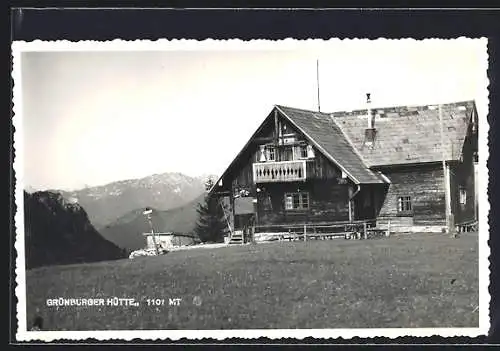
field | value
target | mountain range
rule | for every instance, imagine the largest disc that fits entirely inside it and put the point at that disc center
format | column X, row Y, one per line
column 106, row 204
column 115, row 210
column 126, row 232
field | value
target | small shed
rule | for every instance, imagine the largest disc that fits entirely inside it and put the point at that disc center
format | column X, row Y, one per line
column 167, row 240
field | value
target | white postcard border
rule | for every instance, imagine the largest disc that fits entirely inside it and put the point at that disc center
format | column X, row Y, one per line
column 23, row 334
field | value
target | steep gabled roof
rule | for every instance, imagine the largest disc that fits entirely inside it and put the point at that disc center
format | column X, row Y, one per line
column 406, row 135
column 323, row 133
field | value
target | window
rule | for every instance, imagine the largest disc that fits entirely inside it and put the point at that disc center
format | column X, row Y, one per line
column 303, row 151
column 404, row 204
column 287, row 153
column 297, row 201
column 463, row 196
column 271, row 153
column 305, row 200
column 300, row 152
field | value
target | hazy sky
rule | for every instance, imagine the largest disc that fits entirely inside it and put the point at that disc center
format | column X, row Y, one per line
column 94, row 117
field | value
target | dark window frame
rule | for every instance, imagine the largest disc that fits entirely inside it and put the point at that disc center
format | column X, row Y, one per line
column 405, row 205
column 302, row 152
column 301, row 201
column 270, row 150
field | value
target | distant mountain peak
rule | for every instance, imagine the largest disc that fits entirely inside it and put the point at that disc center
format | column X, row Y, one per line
column 163, row 191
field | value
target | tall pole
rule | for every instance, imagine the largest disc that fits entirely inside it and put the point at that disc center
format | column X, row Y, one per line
column 225, row 216
column 317, row 83
column 154, row 235
column 276, row 137
column 147, row 213
column 445, row 172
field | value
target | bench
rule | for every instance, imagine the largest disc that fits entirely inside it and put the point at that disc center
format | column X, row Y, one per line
column 471, row 226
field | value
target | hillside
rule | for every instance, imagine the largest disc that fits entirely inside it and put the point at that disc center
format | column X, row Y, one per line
column 127, row 231
column 106, row 204
column 59, row 232
column 409, row 281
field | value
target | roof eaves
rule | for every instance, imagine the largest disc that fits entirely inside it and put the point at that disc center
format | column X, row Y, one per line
column 384, row 177
column 210, row 192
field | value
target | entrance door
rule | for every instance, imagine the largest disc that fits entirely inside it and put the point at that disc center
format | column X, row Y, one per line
column 242, row 220
column 244, row 208
column 365, row 207
column 245, row 223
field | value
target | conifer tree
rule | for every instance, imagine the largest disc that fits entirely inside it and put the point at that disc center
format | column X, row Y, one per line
column 211, row 226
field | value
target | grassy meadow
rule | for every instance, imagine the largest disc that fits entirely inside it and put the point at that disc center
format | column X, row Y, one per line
column 419, row 280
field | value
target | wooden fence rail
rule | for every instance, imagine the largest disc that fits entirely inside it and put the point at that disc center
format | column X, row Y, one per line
column 320, row 231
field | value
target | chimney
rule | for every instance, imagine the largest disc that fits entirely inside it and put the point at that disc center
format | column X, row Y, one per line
column 370, row 131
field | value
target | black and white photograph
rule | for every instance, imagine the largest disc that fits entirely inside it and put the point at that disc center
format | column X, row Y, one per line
column 217, row 189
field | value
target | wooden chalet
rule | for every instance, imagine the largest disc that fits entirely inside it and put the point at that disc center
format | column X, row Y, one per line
column 412, row 168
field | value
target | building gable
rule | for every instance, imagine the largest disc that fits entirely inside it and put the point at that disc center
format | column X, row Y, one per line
column 317, row 129
column 329, row 139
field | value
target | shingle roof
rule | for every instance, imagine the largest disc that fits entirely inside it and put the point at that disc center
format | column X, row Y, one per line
column 328, row 138
column 407, row 135
column 404, row 135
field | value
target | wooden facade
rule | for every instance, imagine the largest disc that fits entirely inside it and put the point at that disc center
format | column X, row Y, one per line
column 463, row 182
column 327, row 202
column 424, row 186
column 284, row 176
column 323, row 190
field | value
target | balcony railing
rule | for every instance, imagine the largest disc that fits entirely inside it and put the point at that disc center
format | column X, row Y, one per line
column 284, row 171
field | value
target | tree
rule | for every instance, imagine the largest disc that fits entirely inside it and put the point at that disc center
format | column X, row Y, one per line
column 212, row 224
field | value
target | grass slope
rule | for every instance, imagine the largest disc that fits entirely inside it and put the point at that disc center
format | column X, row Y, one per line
column 127, row 231
column 424, row 280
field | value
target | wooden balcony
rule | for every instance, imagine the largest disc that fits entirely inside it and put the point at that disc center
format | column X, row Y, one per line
column 284, row 171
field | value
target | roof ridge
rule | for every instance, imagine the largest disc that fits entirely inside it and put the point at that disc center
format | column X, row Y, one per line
column 302, row 109
column 400, row 108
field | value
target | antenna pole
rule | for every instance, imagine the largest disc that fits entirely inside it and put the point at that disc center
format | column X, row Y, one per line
column 317, row 83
